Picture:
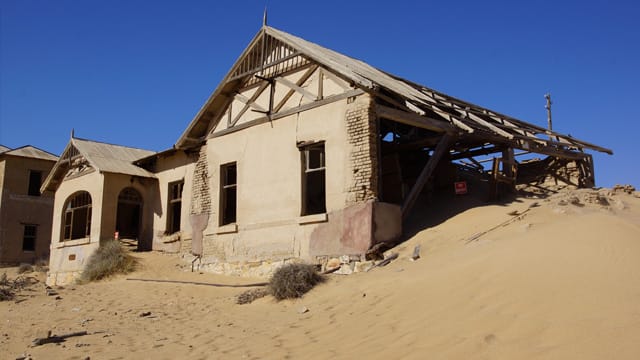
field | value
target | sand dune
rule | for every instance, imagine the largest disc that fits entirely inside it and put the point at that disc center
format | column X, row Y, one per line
column 561, row 281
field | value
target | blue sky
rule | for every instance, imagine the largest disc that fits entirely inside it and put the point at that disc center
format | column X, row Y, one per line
column 136, row 72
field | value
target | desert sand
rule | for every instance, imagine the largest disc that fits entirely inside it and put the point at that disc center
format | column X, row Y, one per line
column 559, row 281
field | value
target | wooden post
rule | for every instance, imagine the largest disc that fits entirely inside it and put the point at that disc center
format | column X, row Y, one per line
column 441, row 149
column 508, row 162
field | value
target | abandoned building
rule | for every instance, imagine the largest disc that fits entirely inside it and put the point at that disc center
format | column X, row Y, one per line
column 25, row 213
column 300, row 152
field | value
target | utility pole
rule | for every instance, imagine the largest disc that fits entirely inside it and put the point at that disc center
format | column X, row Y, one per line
column 548, row 107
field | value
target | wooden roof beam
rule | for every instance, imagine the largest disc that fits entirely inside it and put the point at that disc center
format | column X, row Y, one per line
column 413, row 119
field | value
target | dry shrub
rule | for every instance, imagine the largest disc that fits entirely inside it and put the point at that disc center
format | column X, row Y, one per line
column 109, row 259
column 24, row 267
column 9, row 288
column 293, row 280
column 42, row 264
column 247, row 297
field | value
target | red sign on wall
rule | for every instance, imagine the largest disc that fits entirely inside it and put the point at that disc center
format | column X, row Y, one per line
column 461, row 187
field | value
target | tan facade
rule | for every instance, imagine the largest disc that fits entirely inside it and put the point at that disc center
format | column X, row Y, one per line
column 300, row 153
column 25, row 214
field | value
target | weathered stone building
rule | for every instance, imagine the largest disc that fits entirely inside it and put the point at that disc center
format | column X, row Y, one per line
column 300, row 152
column 25, row 213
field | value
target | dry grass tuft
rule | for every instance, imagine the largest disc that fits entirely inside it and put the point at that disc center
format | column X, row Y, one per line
column 251, row 295
column 9, row 288
column 109, row 259
column 293, row 281
column 24, row 268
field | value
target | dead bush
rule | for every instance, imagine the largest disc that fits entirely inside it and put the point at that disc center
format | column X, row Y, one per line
column 9, row 288
column 109, row 259
column 24, row 268
column 247, row 297
column 42, row 264
column 293, row 280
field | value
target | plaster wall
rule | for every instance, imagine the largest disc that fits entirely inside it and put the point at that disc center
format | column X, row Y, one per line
column 17, row 208
column 176, row 167
column 69, row 257
column 269, row 176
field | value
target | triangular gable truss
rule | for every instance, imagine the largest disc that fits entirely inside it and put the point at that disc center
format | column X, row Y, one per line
column 273, row 52
column 70, row 158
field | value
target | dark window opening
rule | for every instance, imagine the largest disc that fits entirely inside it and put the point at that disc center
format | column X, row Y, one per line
column 29, row 238
column 228, row 193
column 313, row 179
column 35, row 181
column 77, row 217
column 174, row 209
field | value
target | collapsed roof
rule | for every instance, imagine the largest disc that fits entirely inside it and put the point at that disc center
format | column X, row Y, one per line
column 398, row 99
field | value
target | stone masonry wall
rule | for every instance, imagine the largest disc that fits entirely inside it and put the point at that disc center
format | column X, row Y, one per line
column 201, row 197
column 362, row 132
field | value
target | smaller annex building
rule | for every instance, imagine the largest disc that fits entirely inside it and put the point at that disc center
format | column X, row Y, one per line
column 25, row 213
column 300, row 153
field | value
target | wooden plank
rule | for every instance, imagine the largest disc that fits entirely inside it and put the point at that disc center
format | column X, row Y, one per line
column 413, row 119
column 441, row 149
column 301, row 81
column 320, row 84
column 483, row 122
column 248, row 101
column 339, row 81
column 273, row 117
column 251, row 100
column 477, row 152
column 297, row 88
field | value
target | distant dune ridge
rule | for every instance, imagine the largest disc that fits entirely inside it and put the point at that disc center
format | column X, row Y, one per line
column 560, row 280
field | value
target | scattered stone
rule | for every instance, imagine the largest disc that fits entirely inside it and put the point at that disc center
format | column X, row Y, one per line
column 377, row 251
column 58, row 297
column 333, row 263
column 145, row 314
column 345, row 269
column 388, row 259
column 345, row 259
column 303, row 310
column 416, row 253
column 629, row 189
column 85, row 321
column 363, row 266
column 50, row 292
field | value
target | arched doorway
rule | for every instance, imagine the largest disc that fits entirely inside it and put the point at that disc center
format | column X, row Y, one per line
column 129, row 213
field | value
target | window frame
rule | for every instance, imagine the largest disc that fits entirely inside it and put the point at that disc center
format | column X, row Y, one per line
column 307, row 171
column 174, row 198
column 228, row 215
column 33, row 237
column 77, row 204
column 32, row 189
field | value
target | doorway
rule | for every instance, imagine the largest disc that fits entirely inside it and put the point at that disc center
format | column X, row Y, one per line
column 129, row 214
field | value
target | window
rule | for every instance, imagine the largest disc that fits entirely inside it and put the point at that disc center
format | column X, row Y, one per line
column 77, row 216
column 29, row 238
column 174, row 206
column 313, row 179
column 35, row 180
column 228, row 193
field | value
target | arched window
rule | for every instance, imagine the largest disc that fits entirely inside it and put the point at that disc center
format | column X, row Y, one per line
column 77, row 216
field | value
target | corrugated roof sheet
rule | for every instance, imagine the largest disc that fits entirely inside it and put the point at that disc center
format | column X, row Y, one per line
column 3, row 149
column 112, row 158
column 31, row 152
